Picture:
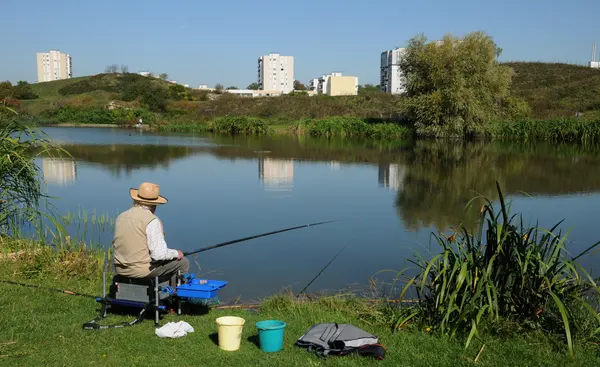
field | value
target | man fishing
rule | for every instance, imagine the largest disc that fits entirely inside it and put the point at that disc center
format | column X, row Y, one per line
column 140, row 249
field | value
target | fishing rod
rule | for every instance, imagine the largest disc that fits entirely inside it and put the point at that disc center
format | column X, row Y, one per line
column 252, row 237
column 65, row 291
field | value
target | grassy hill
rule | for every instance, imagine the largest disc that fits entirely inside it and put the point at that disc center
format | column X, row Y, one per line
column 551, row 89
column 92, row 91
column 554, row 89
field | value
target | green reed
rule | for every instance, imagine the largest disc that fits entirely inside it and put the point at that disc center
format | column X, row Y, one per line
column 20, row 191
column 504, row 271
column 350, row 127
column 567, row 129
column 232, row 125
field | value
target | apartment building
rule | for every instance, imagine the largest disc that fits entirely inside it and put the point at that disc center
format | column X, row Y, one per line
column 53, row 65
column 594, row 63
column 335, row 84
column 276, row 72
column 390, row 74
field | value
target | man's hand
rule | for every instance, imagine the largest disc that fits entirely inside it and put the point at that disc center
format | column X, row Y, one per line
column 179, row 255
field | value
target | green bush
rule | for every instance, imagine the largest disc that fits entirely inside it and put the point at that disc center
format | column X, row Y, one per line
column 239, row 125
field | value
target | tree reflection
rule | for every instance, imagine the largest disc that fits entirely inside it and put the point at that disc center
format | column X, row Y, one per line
column 120, row 159
column 442, row 177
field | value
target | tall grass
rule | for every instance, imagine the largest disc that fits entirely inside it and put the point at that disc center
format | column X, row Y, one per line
column 20, row 192
column 566, row 129
column 504, row 271
column 230, row 125
column 345, row 126
column 21, row 197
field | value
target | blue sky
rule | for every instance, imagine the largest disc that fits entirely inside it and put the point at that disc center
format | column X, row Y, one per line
column 208, row 42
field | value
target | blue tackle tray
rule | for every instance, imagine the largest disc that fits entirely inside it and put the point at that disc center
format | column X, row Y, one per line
column 196, row 290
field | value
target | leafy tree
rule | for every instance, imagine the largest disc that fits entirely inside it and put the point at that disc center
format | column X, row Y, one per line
column 219, row 88
column 253, row 86
column 5, row 89
column 368, row 88
column 124, row 69
column 23, row 90
column 155, row 99
column 164, row 76
column 232, row 87
column 111, row 69
column 177, row 92
column 298, row 85
column 453, row 87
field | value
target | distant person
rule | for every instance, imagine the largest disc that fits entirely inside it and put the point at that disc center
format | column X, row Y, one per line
column 140, row 250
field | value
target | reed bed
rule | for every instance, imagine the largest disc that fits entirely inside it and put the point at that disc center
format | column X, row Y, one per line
column 504, row 272
column 231, row 125
column 350, row 127
column 567, row 129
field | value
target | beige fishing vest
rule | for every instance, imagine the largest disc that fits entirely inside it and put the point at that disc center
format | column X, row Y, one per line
column 131, row 253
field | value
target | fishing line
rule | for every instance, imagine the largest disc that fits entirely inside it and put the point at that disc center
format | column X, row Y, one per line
column 322, row 270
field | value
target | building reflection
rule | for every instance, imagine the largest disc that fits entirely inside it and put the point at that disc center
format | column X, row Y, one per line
column 391, row 175
column 59, row 171
column 276, row 174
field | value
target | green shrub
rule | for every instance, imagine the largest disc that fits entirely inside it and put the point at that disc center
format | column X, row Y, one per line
column 238, row 125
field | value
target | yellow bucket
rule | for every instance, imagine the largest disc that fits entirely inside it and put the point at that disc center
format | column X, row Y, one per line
column 230, row 332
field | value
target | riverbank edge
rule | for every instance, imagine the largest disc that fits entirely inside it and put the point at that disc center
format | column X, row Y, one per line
column 21, row 257
column 566, row 129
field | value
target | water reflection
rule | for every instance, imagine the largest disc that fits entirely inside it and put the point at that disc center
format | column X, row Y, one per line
column 434, row 180
column 59, row 171
column 391, row 175
column 440, row 179
column 276, row 174
column 395, row 193
column 124, row 159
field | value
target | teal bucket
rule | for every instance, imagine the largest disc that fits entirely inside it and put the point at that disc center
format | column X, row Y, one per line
column 270, row 335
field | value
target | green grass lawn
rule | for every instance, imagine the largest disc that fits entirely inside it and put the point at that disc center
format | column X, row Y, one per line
column 39, row 327
column 50, row 89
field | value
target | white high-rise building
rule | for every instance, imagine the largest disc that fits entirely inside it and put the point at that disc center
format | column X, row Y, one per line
column 594, row 63
column 276, row 72
column 391, row 76
column 53, row 65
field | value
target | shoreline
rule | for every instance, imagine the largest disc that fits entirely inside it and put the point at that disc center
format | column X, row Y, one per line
column 69, row 124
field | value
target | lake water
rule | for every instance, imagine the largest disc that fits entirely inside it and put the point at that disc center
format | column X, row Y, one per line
column 391, row 197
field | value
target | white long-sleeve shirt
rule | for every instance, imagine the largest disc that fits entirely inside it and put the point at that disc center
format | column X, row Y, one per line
column 155, row 240
column 157, row 244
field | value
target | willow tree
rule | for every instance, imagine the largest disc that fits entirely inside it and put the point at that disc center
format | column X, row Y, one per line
column 455, row 86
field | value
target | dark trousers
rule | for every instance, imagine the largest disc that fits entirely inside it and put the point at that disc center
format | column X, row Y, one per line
column 169, row 268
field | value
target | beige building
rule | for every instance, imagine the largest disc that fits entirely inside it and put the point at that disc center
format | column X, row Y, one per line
column 335, row 84
column 254, row 93
column 53, row 65
column 276, row 72
column 342, row 86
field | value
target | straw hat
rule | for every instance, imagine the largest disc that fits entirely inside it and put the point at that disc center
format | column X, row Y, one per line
column 147, row 193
